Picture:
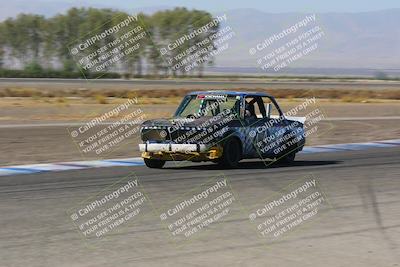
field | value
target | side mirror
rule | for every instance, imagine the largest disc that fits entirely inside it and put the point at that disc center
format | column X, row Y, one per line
column 268, row 108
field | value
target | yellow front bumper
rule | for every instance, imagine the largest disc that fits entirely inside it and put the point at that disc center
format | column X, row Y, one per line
column 212, row 154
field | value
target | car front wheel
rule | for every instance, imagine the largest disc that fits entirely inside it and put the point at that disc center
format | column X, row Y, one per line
column 289, row 158
column 232, row 153
column 154, row 163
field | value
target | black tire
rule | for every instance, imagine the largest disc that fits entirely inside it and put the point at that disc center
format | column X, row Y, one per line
column 232, row 153
column 289, row 158
column 154, row 163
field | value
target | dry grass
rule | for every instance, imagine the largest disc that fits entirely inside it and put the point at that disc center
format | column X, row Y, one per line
column 62, row 100
column 100, row 99
column 170, row 95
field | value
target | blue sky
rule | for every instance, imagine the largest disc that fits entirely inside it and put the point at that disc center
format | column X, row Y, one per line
column 270, row 5
column 52, row 7
column 276, row 6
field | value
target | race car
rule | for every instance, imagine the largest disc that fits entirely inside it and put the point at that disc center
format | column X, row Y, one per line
column 222, row 127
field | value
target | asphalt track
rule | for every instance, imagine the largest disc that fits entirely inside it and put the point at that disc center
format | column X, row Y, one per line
column 38, row 82
column 361, row 229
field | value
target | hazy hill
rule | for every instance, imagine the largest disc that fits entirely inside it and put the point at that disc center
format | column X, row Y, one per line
column 352, row 40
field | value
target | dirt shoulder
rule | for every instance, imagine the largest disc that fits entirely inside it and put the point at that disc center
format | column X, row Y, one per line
column 20, row 110
column 50, row 142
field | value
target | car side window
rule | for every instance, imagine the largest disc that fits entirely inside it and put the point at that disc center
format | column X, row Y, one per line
column 250, row 108
column 270, row 108
column 258, row 109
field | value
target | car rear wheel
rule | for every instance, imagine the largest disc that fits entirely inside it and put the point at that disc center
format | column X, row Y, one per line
column 154, row 163
column 232, row 153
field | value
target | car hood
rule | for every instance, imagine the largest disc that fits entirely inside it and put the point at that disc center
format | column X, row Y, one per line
column 178, row 122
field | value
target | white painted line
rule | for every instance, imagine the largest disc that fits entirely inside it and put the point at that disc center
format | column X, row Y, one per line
column 362, row 118
column 57, row 124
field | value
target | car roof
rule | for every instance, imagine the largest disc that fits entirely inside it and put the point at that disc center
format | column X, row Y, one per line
column 232, row 93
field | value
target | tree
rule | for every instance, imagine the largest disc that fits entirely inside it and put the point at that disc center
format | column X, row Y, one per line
column 24, row 37
column 36, row 41
column 171, row 25
column 64, row 30
column 2, row 44
column 133, row 60
column 380, row 75
column 1, row 56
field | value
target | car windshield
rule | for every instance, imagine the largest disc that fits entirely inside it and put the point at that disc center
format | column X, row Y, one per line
column 195, row 106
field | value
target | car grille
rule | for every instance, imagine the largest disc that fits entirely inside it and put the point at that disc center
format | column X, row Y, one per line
column 179, row 136
column 157, row 135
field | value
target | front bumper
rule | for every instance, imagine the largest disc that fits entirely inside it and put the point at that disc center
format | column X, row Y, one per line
column 178, row 152
column 174, row 148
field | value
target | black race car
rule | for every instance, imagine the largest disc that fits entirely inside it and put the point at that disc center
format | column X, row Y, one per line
column 223, row 127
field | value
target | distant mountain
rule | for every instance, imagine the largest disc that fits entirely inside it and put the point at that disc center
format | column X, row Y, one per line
column 352, row 40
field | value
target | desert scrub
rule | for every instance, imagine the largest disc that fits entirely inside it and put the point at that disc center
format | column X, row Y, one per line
column 101, row 99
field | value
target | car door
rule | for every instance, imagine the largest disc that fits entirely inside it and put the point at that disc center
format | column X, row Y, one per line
column 268, row 130
column 253, row 120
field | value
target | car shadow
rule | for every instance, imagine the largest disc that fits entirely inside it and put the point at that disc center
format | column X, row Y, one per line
column 258, row 165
